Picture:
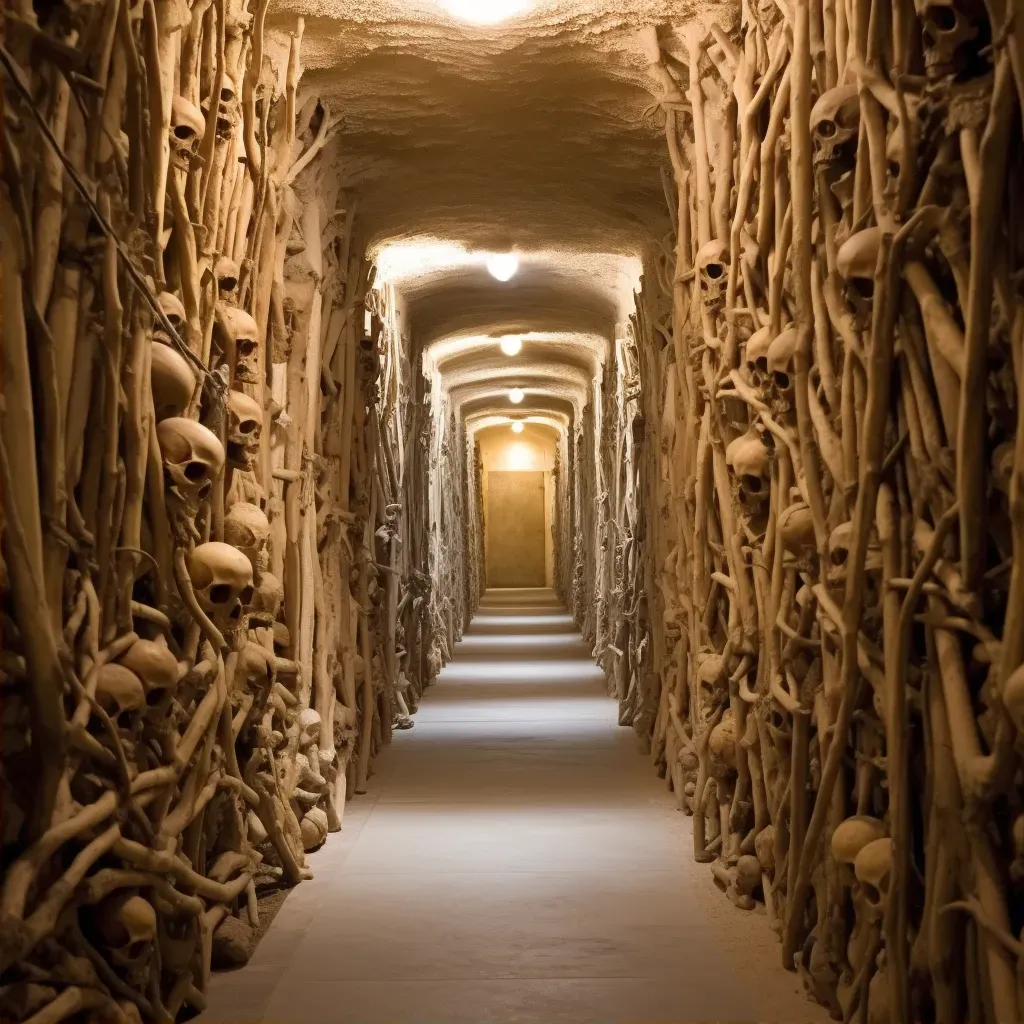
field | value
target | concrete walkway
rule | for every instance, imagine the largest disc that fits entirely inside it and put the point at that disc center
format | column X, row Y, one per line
column 515, row 859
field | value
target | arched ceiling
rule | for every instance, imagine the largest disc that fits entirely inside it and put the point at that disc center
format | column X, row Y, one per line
column 534, row 135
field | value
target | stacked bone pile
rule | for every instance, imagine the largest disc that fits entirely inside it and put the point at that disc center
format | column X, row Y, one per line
column 203, row 466
column 836, row 408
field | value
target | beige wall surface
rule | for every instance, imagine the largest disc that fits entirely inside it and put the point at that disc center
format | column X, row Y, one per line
column 515, row 529
column 531, row 451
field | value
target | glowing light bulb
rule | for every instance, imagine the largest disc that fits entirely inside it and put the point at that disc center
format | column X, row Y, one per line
column 511, row 345
column 517, row 427
column 516, row 395
column 503, row 265
column 485, row 12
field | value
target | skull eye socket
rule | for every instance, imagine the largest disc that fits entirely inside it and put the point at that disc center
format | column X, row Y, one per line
column 195, row 471
column 184, row 132
column 781, row 379
column 943, row 18
column 228, row 284
column 762, row 364
column 751, row 483
column 227, row 95
column 826, row 129
column 893, row 167
column 837, row 556
column 246, row 595
column 247, row 347
column 247, row 426
column 220, row 593
column 714, row 270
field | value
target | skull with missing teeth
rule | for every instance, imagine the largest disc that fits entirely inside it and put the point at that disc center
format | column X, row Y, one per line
column 222, row 580
column 240, row 340
column 245, row 423
column 193, row 457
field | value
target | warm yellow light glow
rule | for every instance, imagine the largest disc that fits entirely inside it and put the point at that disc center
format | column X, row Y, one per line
column 516, row 395
column 511, row 345
column 485, row 12
column 502, row 265
column 519, row 455
column 517, row 427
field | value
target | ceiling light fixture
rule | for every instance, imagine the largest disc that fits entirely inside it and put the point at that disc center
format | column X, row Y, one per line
column 511, row 345
column 503, row 265
column 517, row 426
column 516, row 395
column 485, row 12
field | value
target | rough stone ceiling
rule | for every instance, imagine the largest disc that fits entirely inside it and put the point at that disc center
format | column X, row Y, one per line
column 532, row 135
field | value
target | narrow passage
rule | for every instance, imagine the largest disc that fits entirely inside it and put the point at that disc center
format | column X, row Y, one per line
column 515, row 860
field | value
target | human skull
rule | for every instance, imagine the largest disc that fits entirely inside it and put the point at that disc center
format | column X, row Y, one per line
column 314, row 828
column 839, row 543
column 119, row 690
column 756, row 359
column 172, row 309
column 246, row 527
column 764, row 847
column 849, row 838
column 713, row 273
column 193, row 457
column 835, row 123
column 796, row 531
column 222, row 580
column 240, row 339
column 309, row 727
column 245, row 422
column 227, row 108
column 269, row 595
column 855, row 262
column 873, row 868
column 782, row 367
column 226, row 272
column 127, row 926
column 187, row 130
column 953, row 32
column 173, row 381
column 750, row 461
column 748, row 875
column 154, row 664
column 722, row 744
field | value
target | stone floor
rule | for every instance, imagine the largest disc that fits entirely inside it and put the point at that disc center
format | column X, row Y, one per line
column 516, row 859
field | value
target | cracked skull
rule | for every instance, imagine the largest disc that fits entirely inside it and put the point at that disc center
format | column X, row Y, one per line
column 245, row 422
column 193, row 457
column 222, row 579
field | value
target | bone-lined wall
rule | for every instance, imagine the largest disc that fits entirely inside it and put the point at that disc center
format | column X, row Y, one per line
column 830, row 350
column 215, row 606
column 241, row 485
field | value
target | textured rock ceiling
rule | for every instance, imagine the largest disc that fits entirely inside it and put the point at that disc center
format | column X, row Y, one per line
column 533, row 135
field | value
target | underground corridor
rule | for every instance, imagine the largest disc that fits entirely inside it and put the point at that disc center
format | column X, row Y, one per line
column 512, row 510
